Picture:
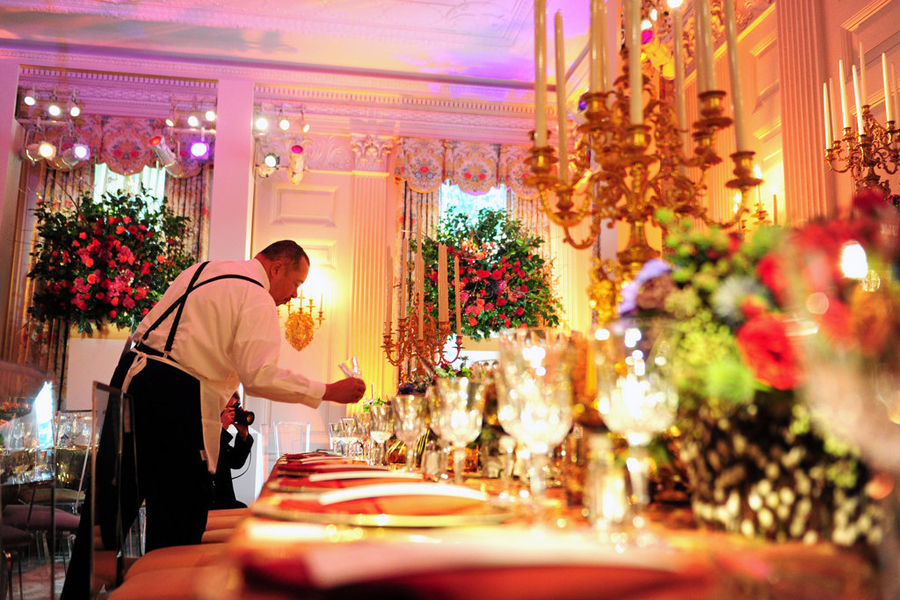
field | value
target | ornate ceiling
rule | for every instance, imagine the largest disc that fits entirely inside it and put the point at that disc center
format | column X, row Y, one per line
column 487, row 40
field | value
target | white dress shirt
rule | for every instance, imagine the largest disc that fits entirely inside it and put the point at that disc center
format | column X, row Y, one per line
column 228, row 334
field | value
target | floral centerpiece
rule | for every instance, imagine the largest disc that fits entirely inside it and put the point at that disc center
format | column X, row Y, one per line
column 756, row 461
column 503, row 281
column 105, row 260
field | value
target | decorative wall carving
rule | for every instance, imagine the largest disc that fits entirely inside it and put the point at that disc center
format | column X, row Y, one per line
column 371, row 152
column 329, row 153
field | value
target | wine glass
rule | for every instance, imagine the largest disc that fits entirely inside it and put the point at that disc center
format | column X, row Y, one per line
column 433, row 402
column 363, row 430
column 635, row 393
column 460, row 415
column 349, row 435
column 334, row 436
column 409, row 423
column 382, row 426
column 535, row 394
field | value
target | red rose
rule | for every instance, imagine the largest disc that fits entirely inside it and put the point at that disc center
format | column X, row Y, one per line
column 770, row 271
column 501, row 301
column 473, row 321
column 82, row 235
column 768, row 352
column 497, row 274
column 519, row 311
column 112, row 314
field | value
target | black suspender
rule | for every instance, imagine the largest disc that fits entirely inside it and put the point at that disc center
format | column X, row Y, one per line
column 178, row 305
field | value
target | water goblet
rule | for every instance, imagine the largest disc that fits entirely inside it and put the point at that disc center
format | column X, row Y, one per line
column 382, row 426
column 535, row 394
column 460, row 415
column 363, row 429
column 635, row 393
column 409, row 423
column 334, row 436
column 349, row 435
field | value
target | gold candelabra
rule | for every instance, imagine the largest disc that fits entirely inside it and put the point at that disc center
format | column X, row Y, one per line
column 876, row 147
column 427, row 350
column 309, row 309
column 624, row 172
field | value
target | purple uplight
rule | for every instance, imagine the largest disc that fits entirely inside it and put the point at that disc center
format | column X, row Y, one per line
column 199, row 149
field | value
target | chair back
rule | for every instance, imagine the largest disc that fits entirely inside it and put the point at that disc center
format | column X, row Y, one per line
column 112, row 446
column 291, row 437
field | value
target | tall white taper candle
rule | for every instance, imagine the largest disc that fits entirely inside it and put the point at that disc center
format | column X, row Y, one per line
column 828, row 138
column 635, row 77
column 560, row 41
column 678, row 50
column 703, row 22
column 443, row 315
column 863, row 91
column 737, row 97
column 859, row 117
column 888, row 113
column 389, row 290
column 457, row 290
column 845, row 109
column 540, row 73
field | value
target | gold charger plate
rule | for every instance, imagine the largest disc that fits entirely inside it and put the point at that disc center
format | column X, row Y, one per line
column 268, row 507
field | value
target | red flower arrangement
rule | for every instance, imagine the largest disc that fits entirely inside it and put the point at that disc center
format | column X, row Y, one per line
column 503, row 281
column 105, row 260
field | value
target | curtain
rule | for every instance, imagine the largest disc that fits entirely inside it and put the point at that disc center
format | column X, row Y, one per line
column 30, row 342
column 43, row 344
column 190, row 197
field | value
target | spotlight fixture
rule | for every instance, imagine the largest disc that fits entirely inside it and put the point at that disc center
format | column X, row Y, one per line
column 261, row 123
column 200, row 149
column 271, row 160
column 193, row 121
column 30, row 98
column 210, row 115
column 74, row 107
column 73, row 155
column 263, row 171
column 46, row 150
column 284, row 124
column 31, row 153
column 296, row 164
column 164, row 155
column 53, row 109
column 306, row 128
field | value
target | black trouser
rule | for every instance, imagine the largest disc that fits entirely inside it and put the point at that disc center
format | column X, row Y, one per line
column 171, row 476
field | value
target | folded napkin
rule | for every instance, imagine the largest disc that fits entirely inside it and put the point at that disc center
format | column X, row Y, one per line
column 339, row 480
column 490, row 564
column 322, row 467
column 393, row 498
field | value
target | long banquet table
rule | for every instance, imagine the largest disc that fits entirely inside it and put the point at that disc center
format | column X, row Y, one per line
column 305, row 540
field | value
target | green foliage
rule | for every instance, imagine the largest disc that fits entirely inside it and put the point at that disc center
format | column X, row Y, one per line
column 105, row 260
column 504, row 282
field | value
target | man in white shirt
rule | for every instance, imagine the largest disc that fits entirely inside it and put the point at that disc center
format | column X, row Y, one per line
column 216, row 326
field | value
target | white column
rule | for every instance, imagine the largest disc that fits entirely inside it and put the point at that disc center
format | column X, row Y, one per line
column 9, row 178
column 808, row 184
column 230, row 212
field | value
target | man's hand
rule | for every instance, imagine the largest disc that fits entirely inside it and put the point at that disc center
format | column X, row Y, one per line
column 345, row 391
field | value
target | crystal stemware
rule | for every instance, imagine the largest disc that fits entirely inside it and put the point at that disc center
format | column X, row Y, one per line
column 536, row 407
column 635, row 392
column 349, row 436
column 409, row 423
column 460, row 417
column 382, row 426
column 363, row 420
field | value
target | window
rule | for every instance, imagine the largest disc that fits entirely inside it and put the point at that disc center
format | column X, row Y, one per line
column 470, row 204
column 152, row 179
